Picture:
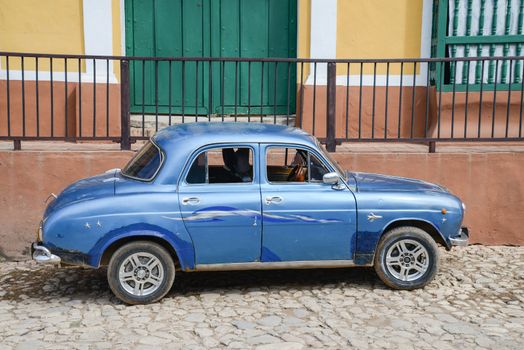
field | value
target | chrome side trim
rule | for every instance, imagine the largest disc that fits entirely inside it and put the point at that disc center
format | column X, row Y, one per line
column 276, row 265
column 42, row 255
column 462, row 239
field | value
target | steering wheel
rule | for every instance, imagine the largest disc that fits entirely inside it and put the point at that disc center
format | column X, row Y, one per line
column 293, row 175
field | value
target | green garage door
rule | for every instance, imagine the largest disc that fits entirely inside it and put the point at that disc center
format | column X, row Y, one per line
column 211, row 28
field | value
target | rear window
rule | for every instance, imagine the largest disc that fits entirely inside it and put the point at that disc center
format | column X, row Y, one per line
column 145, row 163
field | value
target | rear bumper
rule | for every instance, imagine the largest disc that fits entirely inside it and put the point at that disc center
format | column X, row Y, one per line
column 462, row 239
column 43, row 255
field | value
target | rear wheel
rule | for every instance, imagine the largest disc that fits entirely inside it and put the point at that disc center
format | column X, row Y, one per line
column 141, row 272
column 406, row 258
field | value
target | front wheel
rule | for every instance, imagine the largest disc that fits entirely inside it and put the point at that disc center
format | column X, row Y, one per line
column 406, row 258
column 141, row 272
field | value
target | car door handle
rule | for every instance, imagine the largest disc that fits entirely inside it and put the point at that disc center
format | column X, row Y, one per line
column 190, row 200
column 274, row 199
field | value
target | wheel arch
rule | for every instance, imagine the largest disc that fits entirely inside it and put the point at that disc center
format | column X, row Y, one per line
column 178, row 243
column 115, row 245
column 421, row 224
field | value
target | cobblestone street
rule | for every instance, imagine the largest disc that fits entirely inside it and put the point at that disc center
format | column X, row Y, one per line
column 476, row 301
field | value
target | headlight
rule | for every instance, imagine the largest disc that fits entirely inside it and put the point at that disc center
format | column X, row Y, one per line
column 463, row 206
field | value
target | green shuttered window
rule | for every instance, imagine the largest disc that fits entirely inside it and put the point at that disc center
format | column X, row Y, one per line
column 478, row 28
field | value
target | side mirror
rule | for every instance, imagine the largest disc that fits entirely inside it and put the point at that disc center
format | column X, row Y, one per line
column 331, row 178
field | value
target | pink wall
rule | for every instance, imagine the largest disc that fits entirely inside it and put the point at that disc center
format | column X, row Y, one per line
column 491, row 185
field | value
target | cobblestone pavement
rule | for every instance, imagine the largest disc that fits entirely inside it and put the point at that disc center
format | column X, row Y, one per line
column 476, row 301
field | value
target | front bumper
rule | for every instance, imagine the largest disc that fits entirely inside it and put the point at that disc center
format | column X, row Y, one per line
column 462, row 239
column 42, row 255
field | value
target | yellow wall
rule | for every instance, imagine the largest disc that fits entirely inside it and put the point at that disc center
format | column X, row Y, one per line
column 365, row 29
column 304, row 25
column 379, row 29
column 43, row 26
column 48, row 26
column 303, row 34
column 117, row 36
column 52, row 26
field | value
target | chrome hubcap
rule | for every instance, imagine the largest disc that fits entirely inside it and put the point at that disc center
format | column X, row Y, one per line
column 141, row 274
column 407, row 260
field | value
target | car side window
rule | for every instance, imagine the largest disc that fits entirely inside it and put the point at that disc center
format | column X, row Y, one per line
column 291, row 165
column 222, row 165
column 317, row 169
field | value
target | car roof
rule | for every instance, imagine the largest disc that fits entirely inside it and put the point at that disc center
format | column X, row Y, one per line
column 190, row 136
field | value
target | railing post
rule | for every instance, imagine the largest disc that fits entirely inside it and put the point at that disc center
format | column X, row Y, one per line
column 17, row 145
column 125, row 116
column 331, row 143
column 432, row 146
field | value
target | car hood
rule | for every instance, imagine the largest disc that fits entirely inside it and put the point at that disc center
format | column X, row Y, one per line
column 377, row 182
column 97, row 186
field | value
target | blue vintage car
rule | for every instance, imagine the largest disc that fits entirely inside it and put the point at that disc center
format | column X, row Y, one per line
column 235, row 196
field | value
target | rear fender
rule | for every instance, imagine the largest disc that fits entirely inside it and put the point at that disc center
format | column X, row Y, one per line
column 179, row 241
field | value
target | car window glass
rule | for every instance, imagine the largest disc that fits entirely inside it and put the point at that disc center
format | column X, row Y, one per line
column 286, row 164
column 316, row 169
column 222, row 165
column 341, row 172
column 145, row 163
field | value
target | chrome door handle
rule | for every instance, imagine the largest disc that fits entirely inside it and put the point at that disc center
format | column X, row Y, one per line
column 372, row 217
column 190, row 200
column 274, row 199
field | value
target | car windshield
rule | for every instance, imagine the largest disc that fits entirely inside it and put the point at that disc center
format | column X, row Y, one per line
column 333, row 162
column 145, row 163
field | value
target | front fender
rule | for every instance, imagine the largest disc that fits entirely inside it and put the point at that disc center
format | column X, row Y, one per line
column 370, row 235
column 379, row 211
column 414, row 221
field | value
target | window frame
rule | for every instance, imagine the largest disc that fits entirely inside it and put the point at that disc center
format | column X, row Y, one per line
column 298, row 147
column 160, row 165
column 195, row 154
column 441, row 39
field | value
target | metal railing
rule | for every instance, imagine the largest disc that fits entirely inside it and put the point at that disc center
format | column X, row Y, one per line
column 124, row 99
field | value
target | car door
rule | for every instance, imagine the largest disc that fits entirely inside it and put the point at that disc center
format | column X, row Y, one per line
column 220, row 204
column 304, row 219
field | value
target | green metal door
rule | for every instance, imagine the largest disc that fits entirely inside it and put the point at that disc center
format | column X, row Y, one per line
column 211, row 28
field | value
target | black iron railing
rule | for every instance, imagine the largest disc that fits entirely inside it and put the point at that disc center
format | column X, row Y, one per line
column 124, row 99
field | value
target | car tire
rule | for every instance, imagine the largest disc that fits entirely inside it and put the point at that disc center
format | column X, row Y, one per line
column 406, row 258
column 141, row 272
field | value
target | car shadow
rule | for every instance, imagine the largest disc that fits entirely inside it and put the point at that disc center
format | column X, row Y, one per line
column 74, row 284
column 51, row 283
column 257, row 280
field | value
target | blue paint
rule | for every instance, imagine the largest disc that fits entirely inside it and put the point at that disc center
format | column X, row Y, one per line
column 269, row 256
column 185, row 139
column 232, row 222
column 401, row 199
column 329, row 233
column 119, row 216
column 218, row 213
column 83, row 190
column 183, row 248
column 386, row 183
